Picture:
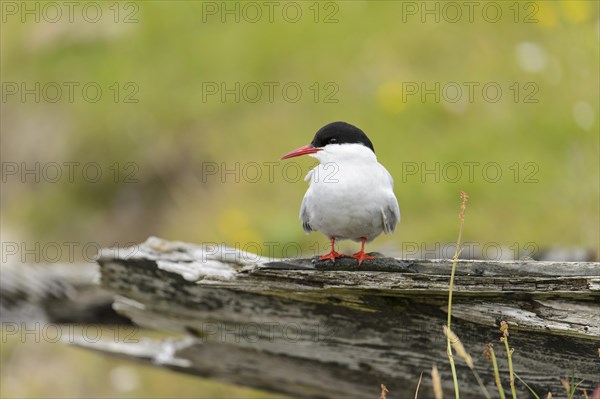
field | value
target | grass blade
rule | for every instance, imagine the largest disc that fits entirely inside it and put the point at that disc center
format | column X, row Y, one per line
column 418, row 385
column 527, row 386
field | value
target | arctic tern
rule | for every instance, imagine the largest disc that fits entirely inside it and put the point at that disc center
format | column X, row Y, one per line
column 351, row 195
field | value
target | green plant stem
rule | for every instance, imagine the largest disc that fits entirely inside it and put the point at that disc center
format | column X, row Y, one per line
column 483, row 388
column 497, row 374
column 453, row 367
column 528, row 387
column 510, row 369
column 454, row 262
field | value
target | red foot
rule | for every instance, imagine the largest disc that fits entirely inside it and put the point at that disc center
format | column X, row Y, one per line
column 361, row 256
column 332, row 255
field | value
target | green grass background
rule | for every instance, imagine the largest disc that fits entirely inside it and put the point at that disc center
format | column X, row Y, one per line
column 372, row 49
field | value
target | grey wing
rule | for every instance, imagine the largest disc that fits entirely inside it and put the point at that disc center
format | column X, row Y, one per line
column 391, row 215
column 304, row 215
column 391, row 211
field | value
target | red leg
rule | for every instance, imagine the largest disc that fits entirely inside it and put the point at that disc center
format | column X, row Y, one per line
column 360, row 256
column 332, row 255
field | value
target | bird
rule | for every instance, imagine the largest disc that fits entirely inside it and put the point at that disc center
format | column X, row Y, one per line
column 350, row 194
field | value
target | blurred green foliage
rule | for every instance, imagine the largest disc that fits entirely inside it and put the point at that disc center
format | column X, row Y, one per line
column 366, row 57
column 35, row 368
column 370, row 54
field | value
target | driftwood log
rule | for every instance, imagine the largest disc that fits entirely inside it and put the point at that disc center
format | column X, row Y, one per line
column 312, row 329
column 55, row 293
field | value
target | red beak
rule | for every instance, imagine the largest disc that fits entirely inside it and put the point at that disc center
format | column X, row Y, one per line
column 307, row 149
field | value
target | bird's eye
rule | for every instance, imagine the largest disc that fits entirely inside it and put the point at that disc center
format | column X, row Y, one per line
column 332, row 141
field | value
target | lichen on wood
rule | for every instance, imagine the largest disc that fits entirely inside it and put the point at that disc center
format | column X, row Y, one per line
column 316, row 329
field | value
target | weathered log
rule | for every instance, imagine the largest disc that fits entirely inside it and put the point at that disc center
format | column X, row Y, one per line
column 313, row 329
column 55, row 293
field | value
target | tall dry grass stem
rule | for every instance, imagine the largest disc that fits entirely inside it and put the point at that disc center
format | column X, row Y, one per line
column 461, row 216
column 418, row 385
column 462, row 352
column 491, row 356
column 509, row 352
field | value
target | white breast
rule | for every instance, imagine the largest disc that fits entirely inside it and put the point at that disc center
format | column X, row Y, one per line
column 349, row 194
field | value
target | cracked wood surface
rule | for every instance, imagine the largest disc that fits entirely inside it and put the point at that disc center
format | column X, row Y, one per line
column 313, row 329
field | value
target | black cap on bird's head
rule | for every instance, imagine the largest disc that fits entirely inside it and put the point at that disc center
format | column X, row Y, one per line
column 333, row 133
column 341, row 133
